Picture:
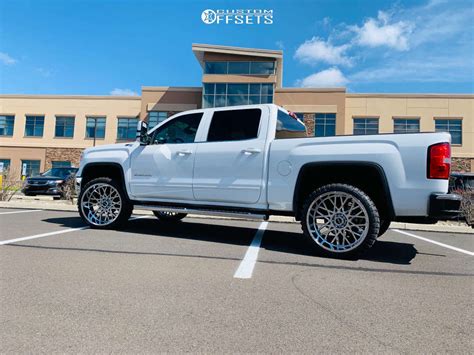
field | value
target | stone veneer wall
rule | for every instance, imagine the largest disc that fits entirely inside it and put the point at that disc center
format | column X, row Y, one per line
column 308, row 119
column 62, row 154
column 462, row 165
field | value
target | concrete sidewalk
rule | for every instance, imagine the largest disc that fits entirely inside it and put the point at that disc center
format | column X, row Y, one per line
column 47, row 203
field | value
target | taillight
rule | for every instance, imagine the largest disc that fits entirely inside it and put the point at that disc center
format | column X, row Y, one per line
column 439, row 161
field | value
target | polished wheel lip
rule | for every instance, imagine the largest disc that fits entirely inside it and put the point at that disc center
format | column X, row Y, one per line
column 101, row 204
column 337, row 221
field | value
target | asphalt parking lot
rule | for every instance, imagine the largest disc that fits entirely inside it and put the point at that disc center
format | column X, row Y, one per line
column 207, row 285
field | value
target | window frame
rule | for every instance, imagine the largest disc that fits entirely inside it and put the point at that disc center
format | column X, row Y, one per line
column 7, row 118
column 134, row 126
column 96, row 118
column 158, row 122
column 5, row 166
column 73, row 118
column 411, row 118
column 354, row 118
column 265, row 96
column 250, row 72
column 36, row 118
column 325, row 124
column 22, row 161
column 449, row 120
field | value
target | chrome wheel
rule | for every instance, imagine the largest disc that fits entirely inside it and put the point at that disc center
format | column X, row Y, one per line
column 337, row 221
column 101, row 204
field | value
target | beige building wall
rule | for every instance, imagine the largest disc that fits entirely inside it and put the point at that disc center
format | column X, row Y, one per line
column 427, row 108
column 18, row 147
column 169, row 99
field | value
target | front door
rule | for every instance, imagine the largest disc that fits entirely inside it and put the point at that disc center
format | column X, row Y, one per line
column 229, row 164
column 164, row 169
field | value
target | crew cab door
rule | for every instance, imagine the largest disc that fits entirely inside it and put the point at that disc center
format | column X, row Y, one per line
column 229, row 164
column 163, row 169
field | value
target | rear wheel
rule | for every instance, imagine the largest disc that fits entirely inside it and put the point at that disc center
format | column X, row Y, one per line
column 169, row 216
column 340, row 220
column 103, row 204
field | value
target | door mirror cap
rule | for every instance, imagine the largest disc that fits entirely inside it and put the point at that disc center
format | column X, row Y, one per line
column 142, row 132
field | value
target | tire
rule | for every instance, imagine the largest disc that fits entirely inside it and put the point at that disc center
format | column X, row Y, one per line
column 104, row 194
column 340, row 220
column 169, row 216
column 384, row 226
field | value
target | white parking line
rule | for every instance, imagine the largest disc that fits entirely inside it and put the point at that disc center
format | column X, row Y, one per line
column 27, row 211
column 42, row 235
column 435, row 242
column 247, row 264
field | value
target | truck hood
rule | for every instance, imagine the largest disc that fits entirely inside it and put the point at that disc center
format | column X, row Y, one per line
column 108, row 147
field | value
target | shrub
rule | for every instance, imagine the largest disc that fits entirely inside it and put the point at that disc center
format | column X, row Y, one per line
column 10, row 184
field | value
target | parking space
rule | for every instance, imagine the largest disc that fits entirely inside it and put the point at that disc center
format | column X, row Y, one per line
column 157, row 286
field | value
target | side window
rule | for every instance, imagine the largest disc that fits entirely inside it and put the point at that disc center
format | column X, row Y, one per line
column 234, row 125
column 289, row 127
column 182, row 129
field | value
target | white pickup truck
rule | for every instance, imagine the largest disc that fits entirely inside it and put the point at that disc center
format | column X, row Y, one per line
column 256, row 161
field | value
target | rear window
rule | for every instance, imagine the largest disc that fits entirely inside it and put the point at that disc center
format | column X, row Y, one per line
column 289, row 127
column 234, row 125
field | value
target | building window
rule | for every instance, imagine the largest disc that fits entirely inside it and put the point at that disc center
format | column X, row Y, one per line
column 64, row 127
column 364, row 126
column 240, row 68
column 60, row 164
column 34, row 126
column 454, row 127
column 95, row 127
column 6, row 164
column 156, row 117
column 403, row 125
column 127, row 128
column 6, row 125
column 218, row 95
column 30, row 167
column 325, row 124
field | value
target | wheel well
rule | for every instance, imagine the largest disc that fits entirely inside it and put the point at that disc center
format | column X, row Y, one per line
column 368, row 177
column 95, row 170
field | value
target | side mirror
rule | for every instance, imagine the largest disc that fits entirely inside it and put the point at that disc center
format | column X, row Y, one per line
column 142, row 132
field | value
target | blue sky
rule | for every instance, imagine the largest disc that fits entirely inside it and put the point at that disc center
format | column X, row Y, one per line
column 116, row 46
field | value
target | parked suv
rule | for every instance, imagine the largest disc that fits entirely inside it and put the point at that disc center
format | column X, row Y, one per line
column 255, row 161
column 48, row 183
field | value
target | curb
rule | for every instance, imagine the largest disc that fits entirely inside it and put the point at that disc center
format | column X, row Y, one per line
column 64, row 206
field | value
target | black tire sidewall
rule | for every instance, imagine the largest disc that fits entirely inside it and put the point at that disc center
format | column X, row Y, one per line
column 369, row 205
column 175, row 218
column 125, row 212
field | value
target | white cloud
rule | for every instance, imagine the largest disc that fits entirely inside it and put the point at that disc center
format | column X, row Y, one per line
column 331, row 77
column 318, row 50
column 123, row 92
column 6, row 59
column 280, row 45
column 379, row 32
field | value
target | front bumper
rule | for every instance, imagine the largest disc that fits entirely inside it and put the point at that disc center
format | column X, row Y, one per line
column 445, row 206
column 41, row 190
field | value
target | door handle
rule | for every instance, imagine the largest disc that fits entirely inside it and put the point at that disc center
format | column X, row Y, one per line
column 250, row 151
column 182, row 153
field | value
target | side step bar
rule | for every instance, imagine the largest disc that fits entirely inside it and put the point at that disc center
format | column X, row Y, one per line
column 206, row 212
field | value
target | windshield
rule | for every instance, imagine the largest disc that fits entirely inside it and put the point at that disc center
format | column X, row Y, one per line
column 59, row 172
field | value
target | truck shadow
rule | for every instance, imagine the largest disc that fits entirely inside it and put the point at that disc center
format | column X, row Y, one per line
column 289, row 242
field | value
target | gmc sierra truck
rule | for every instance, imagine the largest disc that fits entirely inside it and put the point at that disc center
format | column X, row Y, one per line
column 256, row 161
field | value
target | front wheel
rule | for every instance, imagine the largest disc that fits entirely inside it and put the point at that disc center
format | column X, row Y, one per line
column 103, row 204
column 169, row 216
column 340, row 220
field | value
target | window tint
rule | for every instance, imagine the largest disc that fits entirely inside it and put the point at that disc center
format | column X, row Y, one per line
column 289, row 127
column 234, row 125
column 182, row 129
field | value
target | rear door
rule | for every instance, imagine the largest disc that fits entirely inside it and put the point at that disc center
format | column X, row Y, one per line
column 229, row 164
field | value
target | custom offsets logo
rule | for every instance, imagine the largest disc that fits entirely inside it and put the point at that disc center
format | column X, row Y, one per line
column 237, row 17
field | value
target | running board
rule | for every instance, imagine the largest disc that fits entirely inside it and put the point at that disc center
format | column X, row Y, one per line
column 208, row 212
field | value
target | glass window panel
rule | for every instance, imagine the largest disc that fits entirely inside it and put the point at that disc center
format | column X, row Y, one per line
column 32, row 167
column 234, row 125
column 219, row 101
column 237, row 89
column 60, row 164
column 215, row 68
column 220, row 89
column 181, row 129
column 208, row 101
column 64, row 127
column 255, row 89
column 127, row 128
column 34, row 126
column 254, row 99
column 289, row 127
column 97, row 125
column 364, row 126
column 267, row 89
column 266, row 99
column 209, row 89
column 239, row 68
column 262, row 68
column 235, row 100
column 454, row 127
